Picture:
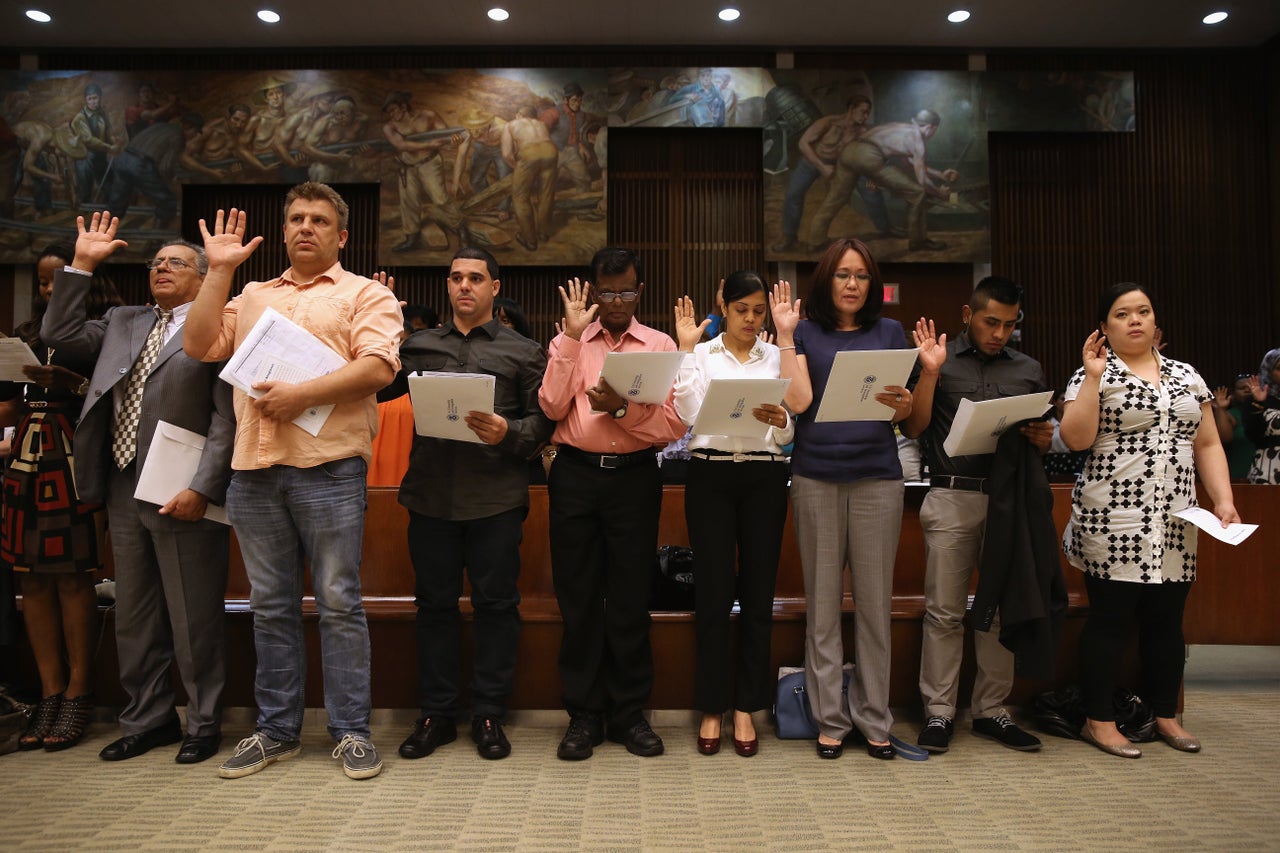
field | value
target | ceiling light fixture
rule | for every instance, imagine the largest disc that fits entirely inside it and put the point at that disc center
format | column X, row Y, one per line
column 959, row 16
column 498, row 14
column 729, row 14
column 38, row 16
column 1215, row 17
column 268, row 17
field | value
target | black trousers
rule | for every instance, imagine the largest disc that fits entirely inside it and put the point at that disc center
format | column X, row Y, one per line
column 604, row 538
column 1113, row 608
column 489, row 551
column 735, row 512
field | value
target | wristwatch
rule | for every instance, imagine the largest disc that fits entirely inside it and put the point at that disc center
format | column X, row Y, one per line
column 620, row 412
column 82, row 390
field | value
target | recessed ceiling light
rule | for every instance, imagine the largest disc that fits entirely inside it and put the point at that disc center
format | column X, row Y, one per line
column 959, row 16
column 268, row 17
column 38, row 16
column 1215, row 17
column 729, row 14
column 498, row 14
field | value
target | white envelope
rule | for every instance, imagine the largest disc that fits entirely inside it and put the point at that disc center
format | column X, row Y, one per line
column 857, row 376
column 171, row 465
column 726, row 408
column 978, row 426
column 642, row 377
column 441, row 402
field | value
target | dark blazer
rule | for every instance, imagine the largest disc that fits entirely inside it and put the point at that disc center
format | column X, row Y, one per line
column 1020, row 574
column 180, row 390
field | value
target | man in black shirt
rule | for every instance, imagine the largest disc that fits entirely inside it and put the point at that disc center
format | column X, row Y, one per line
column 977, row 365
column 467, row 503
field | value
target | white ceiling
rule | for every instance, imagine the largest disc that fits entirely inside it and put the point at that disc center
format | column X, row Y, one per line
column 774, row 24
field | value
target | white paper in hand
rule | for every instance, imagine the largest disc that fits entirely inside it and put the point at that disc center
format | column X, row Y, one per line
column 1232, row 534
column 977, row 427
column 726, row 408
column 171, row 464
column 441, row 402
column 857, row 376
column 642, row 377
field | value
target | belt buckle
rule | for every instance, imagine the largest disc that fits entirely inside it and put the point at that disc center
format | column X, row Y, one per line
column 608, row 462
column 739, row 457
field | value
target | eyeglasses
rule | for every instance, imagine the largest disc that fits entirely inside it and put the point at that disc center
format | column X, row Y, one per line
column 606, row 296
column 843, row 277
column 175, row 264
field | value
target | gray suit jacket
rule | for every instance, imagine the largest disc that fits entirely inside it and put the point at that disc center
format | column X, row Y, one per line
column 180, row 390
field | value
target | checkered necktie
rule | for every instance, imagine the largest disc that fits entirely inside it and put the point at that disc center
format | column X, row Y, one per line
column 125, row 446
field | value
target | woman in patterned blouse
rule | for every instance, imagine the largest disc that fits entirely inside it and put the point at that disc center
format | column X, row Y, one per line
column 1146, row 420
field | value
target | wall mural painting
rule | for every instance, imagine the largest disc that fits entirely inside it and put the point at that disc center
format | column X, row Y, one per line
column 508, row 159
column 515, row 160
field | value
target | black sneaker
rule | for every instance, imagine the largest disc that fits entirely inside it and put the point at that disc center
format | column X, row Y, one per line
column 585, row 732
column 936, row 734
column 639, row 740
column 1005, row 731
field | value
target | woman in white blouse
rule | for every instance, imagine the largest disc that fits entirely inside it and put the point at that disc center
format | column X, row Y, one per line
column 735, row 508
column 1146, row 421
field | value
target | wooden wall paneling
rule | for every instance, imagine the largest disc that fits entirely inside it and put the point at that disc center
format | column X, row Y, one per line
column 1180, row 206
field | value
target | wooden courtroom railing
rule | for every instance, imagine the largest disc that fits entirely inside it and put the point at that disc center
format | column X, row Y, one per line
column 1234, row 602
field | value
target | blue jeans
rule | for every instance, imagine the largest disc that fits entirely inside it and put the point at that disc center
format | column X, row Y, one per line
column 280, row 515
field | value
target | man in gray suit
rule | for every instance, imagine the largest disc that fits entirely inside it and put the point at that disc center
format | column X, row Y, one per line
column 170, row 561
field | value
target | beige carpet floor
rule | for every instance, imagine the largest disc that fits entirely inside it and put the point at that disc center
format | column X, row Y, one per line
column 979, row 796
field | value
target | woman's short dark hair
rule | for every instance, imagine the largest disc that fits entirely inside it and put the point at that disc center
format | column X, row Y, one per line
column 1114, row 292
column 742, row 283
column 821, row 307
column 514, row 313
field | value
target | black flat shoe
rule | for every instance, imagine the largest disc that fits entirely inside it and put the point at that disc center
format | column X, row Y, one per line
column 885, row 752
column 197, row 748
column 131, row 746
column 830, row 750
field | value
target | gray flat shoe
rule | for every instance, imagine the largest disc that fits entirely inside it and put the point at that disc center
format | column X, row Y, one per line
column 1182, row 744
column 1126, row 751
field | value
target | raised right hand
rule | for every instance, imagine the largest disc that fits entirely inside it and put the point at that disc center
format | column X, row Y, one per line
column 786, row 314
column 97, row 241
column 577, row 314
column 1257, row 389
column 1094, row 355
column 225, row 247
column 1222, row 397
column 688, row 330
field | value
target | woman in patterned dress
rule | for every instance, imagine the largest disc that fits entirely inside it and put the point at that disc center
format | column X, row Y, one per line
column 1147, row 423
column 1262, row 420
column 47, row 537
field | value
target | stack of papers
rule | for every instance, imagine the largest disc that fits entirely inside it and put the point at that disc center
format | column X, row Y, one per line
column 442, row 401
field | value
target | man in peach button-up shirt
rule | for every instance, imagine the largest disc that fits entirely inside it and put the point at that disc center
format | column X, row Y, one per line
column 294, row 495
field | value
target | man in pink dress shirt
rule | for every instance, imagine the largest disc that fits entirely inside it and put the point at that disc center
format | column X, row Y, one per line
column 605, row 498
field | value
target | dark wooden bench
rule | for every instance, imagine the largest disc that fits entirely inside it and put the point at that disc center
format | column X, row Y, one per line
column 1234, row 602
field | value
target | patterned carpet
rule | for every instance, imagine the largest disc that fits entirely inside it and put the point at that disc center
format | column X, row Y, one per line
column 979, row 796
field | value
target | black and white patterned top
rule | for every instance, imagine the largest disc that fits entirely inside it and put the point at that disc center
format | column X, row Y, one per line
column 1140, row 471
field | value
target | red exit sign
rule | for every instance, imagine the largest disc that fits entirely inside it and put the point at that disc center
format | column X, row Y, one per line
column 891, row 294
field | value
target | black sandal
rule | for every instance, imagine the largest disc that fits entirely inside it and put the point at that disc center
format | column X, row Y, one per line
column 73, row 717
column 41, row 722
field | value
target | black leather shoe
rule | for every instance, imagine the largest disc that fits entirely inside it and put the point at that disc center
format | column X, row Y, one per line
column 131, row 746
column 585, row 732
column 830, row 750
column 639, row 740
column 490, row 741
column 883, row 751
column 428, row 734
column 197, row 748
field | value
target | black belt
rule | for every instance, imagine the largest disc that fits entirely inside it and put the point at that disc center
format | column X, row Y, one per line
column 713, row 455
column 609, row 460
column 964, row 484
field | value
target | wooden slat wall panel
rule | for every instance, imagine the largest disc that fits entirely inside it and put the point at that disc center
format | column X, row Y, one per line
column 1181, row 206
column 691, row 203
